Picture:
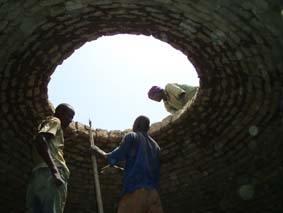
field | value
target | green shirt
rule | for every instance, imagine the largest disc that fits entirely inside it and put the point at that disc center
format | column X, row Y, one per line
column 52, row 125
column 177, row 96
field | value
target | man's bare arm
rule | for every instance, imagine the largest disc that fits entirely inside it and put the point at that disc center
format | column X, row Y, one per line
column 43, row 150
column 99, row 151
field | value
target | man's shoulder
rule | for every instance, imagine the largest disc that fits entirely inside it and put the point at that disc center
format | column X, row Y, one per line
column 49, row 122
column 155, row 143
column 134, row 136
column 130, row 136
column 52, row 119
column 170, row 85
column 180, row 85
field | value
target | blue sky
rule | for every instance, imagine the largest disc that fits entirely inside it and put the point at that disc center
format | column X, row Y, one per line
column 106, row 80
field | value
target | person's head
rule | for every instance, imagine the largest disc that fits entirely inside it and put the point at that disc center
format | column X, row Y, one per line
column 141, row 124
column 156, row 93
column 65, row 113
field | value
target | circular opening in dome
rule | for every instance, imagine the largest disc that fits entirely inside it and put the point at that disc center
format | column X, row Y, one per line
column 107, row 80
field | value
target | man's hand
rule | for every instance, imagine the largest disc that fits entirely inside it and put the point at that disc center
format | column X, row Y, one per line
column 58, row 179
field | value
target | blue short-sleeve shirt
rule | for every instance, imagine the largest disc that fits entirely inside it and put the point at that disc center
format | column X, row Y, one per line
column 141, row 155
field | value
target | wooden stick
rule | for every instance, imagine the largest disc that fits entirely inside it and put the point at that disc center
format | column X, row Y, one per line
column 95, row 173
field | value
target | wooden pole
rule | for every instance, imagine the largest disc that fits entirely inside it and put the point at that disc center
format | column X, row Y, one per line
column 95, row 174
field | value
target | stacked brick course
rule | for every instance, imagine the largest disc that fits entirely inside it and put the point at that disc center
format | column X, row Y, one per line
column 221, row 153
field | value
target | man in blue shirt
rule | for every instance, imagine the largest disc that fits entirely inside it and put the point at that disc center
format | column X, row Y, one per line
column 142, row 167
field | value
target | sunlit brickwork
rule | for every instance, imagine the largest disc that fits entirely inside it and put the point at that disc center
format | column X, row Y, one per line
column 222, row 153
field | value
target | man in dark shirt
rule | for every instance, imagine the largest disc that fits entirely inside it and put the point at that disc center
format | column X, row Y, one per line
column 142, row 167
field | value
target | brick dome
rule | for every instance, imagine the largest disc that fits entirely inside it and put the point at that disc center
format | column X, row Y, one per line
column 222, row 153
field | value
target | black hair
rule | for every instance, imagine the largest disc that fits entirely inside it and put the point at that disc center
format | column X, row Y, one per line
column 141, row 124
column 64, row 106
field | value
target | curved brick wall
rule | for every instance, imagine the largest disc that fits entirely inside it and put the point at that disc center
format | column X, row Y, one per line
column 223, row 153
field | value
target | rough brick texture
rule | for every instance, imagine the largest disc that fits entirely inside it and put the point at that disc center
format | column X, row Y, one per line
column 221, row 154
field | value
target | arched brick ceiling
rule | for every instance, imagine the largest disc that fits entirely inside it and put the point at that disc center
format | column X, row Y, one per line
column 222, row 153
